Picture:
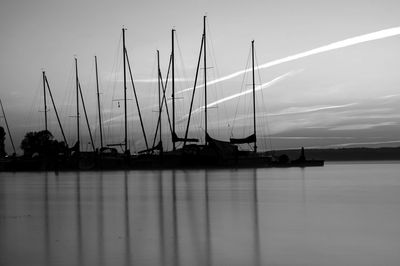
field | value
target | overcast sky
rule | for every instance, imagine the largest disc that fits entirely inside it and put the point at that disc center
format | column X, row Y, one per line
column 345, row 96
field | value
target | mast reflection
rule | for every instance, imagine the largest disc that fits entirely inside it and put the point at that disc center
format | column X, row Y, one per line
column 100, row 220
column 208, row 243
column 256, row 231
column 79, row 220
column 47, row 251
column 128, row 259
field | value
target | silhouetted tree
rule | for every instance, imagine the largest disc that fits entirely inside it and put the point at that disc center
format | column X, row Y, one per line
column 2, row 139
column 42, row 143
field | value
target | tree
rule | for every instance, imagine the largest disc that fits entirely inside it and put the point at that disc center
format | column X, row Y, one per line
column 42, row 143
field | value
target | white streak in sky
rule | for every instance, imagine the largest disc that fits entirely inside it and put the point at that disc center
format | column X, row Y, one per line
column 293, row 111
column 362, row 143
column 326, row 48
column 390, row 96
column 363, row 126
column 257, row 88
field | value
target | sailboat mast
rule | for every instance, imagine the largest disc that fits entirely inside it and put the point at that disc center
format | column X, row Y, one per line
column 159, row 91
column 8, row 128
column 44, row 100
column 205, row 78
column 77, row 104
column 254, row 97
column 125, row 107
column 98, row 103
column 173, row 88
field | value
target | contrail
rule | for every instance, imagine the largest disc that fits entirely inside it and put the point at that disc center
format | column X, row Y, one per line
column 326, row 48
column 231, row 97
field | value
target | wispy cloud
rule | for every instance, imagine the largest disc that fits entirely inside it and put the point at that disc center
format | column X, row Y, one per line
column 363, row 126
column 390, row 96
column 311, row 109
column 363, row 143
column 326, row 48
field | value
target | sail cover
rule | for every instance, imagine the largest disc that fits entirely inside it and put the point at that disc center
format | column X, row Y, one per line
column 249, row 139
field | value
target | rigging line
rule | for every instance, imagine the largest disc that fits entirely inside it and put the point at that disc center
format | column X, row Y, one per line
column 158, row 127
column 241, row 89
column 185, row 81
column 116, row 65
column 265, row 106
column 8, row 128
column 55, row 109
column 194, row 90
column 68, row 96
column 91, row 84
column 154, row 91
column 87, row 120
column 164, row 100
column 32, row 111
column 137, row 102
column 219, row 92
column 164, row 89
column 157, row 61
column 64, row 112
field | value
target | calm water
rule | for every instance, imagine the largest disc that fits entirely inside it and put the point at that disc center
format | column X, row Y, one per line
column 341, row 214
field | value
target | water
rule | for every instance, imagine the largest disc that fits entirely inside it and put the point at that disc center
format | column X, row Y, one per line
column 340, row 214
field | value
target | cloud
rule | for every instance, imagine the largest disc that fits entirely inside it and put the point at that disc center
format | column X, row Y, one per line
column 326, row 48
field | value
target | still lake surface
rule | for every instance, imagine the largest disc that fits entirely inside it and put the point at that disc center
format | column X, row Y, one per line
column 340, row 214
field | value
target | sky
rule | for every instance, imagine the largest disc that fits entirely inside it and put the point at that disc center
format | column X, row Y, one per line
column 326, row 78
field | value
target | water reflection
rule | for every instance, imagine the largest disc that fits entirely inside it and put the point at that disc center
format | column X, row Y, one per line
column 146, row 218
column 338, row 215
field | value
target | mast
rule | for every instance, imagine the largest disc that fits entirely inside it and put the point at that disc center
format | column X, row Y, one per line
column 98, row 102
column 77, row 104
column 254, row 97
column 44, row 100
column 8, row 128
column 159, row 91
column 125, row 108
column 173, row 88
column 205, row 78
